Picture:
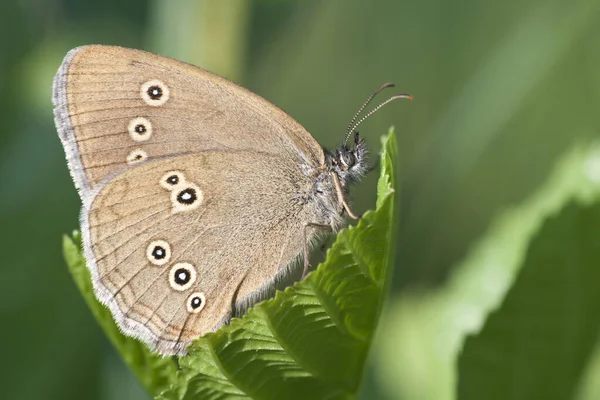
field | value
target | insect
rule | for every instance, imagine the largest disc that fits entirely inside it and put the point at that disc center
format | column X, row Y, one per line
column 195, row 191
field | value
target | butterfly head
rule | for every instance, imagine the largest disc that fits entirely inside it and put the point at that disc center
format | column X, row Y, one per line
column 350, row 163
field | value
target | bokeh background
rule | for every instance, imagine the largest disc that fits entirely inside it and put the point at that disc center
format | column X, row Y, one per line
column 502, row 89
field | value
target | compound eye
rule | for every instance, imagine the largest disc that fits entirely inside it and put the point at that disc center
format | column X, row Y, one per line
column 347, row 159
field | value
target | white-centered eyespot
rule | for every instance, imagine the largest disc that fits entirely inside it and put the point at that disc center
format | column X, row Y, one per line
column 186, row 197
column 137, row 156
column 155, row 93
column 195, row 302
column 140, row 129
column 158, row 252
column 172, row 179
column 182, row 276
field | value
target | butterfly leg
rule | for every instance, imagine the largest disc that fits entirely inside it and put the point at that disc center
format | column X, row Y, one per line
column 235, row 312
column 341, row 198
column 306, row 247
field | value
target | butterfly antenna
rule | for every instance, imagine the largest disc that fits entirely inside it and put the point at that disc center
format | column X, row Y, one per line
column 373, row 111
column 360, row 110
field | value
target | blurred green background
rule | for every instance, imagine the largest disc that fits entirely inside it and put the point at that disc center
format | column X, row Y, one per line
column 502, row 90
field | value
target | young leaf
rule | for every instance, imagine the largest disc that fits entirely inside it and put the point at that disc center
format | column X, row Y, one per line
column 310, row 341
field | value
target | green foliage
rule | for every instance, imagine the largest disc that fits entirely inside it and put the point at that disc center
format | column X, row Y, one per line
column 537, row 345
column 310, row 341
column 155, row 372
column 424, row 331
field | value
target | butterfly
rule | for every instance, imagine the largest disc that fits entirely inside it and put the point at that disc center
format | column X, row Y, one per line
column 196, row 192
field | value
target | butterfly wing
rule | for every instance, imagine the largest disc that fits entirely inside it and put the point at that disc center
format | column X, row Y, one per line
column 168, row 242
column 116, row 108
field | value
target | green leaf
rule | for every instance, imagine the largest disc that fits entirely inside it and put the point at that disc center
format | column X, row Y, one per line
column 423, row 332
column 310, row 341
column 155, row 372
column 537, row 345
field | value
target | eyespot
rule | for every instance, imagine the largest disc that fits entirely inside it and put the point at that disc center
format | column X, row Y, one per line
column 137, row 156
column 155, row 93
column 347, row 159
column 182, row 276
column 195, row 302
column 140, row 129
column 158, row 252
column 172, row 179
column 186, row 198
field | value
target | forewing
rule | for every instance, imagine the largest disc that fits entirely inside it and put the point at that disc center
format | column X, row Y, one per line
column 116, row 108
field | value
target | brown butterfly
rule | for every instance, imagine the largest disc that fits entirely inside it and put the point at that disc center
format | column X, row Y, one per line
column 195, row 191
